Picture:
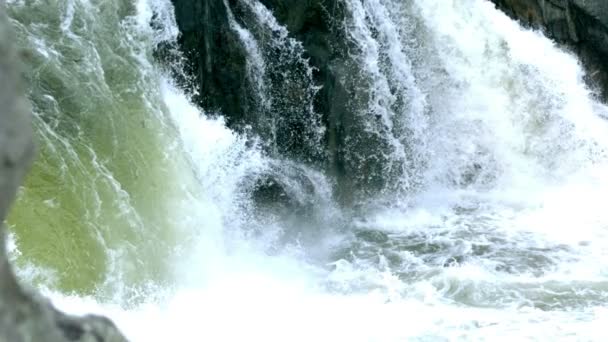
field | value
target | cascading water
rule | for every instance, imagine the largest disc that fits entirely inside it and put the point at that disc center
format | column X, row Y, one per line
column 282, row 82
column 482, row 152
column 103, row 183
column 390, row 114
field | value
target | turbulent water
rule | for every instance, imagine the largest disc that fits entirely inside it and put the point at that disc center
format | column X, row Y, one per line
column 488, row 223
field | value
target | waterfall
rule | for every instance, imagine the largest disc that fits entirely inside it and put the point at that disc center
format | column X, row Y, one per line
column 392, row 111
column 282, row 83
column 108, row 173
column 476, row 155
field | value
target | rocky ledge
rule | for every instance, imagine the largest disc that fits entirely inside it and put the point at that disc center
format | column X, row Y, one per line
column 582, row 25
column 24, row 315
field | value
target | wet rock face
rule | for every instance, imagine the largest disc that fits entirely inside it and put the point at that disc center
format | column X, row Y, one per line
column 317, row 24
column 216, row 59
column 582, row 25
column 24, row 316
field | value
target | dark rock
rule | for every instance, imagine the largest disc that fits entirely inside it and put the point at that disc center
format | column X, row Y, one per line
column 318, row 25
column 349, row 153
column 284, row 188
column 215, row 57
column 581, row 25
column 24, row 316
column 218, row 61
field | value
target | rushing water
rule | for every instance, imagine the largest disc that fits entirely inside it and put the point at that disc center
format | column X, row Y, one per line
column 491, row 150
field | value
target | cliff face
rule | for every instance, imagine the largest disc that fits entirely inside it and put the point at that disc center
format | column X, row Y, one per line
column 580, row 24
column 24, row 316
column 217, row 60
column 315, row 23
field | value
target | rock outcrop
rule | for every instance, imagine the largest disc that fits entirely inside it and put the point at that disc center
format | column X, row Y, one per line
column 24, row 315
column 582, row 25
column 316, row 24
column 216, row 59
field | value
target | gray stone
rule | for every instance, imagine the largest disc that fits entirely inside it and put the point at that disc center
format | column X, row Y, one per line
column 24, row 315
column 597, row 9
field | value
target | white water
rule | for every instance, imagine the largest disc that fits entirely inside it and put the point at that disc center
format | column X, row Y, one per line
column 514, row 177
column 256, row 72
column 396, row 109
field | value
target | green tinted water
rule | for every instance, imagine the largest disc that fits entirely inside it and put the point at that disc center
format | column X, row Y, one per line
column 98, row 203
